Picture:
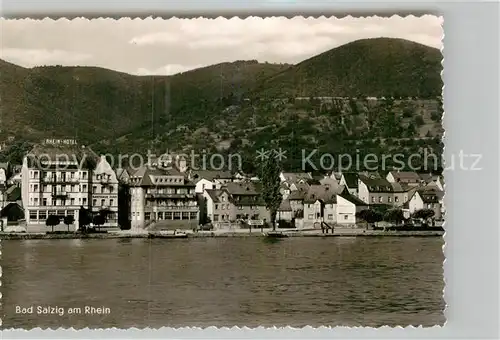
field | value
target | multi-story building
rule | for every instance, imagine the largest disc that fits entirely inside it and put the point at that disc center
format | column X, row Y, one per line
column 59, row 177
column 163, row 196
column 236, row 201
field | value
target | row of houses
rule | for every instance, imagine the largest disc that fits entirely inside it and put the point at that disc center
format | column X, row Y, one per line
column 59, row 178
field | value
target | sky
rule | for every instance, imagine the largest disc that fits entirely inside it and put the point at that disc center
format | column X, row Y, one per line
column 165, row 47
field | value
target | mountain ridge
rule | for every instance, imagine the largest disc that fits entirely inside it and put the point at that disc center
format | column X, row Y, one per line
column 211, row 106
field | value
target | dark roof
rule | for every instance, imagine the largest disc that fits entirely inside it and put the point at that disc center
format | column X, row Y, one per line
column 210, row 175
column 13, row 193
column 324, row 193
column 242, row 188
column 376, row 184
column 351, row 179
column 429, row 197
column 398, row 187
column 12, row 209
column 428, row 177
column 214, row 194
column 351, row 198
column 406, row 176
column 146, row 174
column 297, row 195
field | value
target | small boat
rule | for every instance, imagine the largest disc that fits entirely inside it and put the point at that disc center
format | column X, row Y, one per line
column 276, row 234
column 176, row 234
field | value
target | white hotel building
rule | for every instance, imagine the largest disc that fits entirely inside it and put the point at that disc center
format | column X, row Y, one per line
column 55, row 182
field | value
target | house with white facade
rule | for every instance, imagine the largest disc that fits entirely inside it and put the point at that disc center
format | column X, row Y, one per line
column 162, row 197
column 235, row 202
column 320, row 206
column 425, row 198
column 59, row 176
column 209, row 179
column 348, row 206
column 375, row 191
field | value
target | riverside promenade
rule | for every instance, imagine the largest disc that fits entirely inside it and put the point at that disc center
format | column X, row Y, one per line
column 339, row 232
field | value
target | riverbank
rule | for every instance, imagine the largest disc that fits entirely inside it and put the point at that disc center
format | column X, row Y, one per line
column 245, row 233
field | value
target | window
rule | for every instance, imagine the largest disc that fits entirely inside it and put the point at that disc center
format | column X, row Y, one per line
column 111, row 202
column 222, row 206
column 373, row 199
column 168, row 215
column 193, row 215
column 396, row 199
column 33, row 215
column 160, row 215
column 72, row 201
column 94, row 202
column 94, row 189
column 42, row 214
column 223, row 198
column 330, row 216
column 36, row 200
column 84, row 188
column 216, row 206
column 147, row 216
column 84, row 201
column 177, row 215
column 103, row 202
column 310, row 216
column 389, row 199
column 346, row 217
column 35, row 174
column 185, row 215
column 111, row 190
column 380, row 200
column 216, row 218
column 35, row 187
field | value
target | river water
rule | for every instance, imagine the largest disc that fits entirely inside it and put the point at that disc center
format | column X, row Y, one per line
column 224, row 282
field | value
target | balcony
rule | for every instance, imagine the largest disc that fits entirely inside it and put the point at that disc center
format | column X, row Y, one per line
column 166, row 195
column 60, row 180
column 172, row 208
column 59, row 193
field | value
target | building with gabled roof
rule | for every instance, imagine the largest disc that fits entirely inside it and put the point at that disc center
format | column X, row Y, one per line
column 427, row 198
column 162, row 198
column 350, row 181
column 60, row 176
column 235, row 201
column 407, row 177
column 348, row 206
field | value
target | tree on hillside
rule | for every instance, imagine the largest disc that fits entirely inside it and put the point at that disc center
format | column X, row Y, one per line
column 52, row 221
column 69, row 219
column 270, row 177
